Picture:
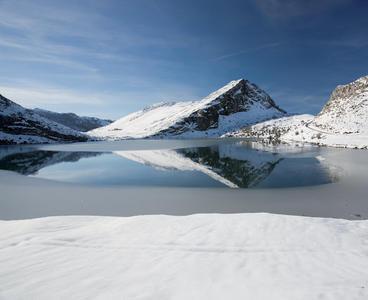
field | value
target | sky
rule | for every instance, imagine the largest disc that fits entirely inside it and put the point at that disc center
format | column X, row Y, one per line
column 109, row 58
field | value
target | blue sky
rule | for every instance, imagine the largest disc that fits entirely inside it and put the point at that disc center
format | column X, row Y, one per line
column 108, row 58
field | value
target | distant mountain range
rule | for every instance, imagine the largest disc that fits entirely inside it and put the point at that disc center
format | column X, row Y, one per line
column 19, row 125
column 236, row 105
column 239, row 109
column 72, row 120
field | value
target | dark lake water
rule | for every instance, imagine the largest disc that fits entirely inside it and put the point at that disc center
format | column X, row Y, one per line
column 224, row 164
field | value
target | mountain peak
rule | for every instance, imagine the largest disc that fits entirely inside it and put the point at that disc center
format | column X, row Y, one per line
column 237, row 104
column 223, row 90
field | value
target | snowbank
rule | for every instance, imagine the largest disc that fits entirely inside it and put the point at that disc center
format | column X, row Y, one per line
column 243, row 256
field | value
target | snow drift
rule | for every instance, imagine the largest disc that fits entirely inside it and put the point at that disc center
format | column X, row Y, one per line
column 241, row 256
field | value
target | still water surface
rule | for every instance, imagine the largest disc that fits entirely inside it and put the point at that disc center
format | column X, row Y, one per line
column 226, row 163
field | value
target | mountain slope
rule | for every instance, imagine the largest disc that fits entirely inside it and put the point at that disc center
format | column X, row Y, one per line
column 19, row 125
column 239, row 103
column 347, row 109
column 72, row 120
column 343, row 121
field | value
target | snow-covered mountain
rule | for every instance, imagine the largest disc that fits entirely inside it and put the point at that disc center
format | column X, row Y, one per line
column 19, row 125
column 343, row 121
column 73, row 121
column 237, row 104
column 346, row 111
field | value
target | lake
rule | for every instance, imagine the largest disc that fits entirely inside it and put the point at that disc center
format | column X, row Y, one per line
column 181, row 177
column 228, row 163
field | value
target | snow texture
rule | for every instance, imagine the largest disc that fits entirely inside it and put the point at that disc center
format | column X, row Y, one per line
column 239, row 256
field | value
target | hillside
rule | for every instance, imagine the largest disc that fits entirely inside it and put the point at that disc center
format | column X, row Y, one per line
column 19, row 125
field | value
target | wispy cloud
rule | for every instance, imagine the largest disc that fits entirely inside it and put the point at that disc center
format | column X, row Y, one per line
column 242, row 52
column 76, row 53
column 41, row 95
column 52, row 31
column 37, row 33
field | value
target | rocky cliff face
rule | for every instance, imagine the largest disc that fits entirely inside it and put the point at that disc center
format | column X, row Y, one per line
column 347, row 109
column 237, row 104
column 21, row 126
column 72, row 120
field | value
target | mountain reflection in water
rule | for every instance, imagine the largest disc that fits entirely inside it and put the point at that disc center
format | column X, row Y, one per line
column 231, row 165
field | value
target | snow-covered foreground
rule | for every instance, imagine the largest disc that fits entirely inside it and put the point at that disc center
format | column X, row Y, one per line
column 242, row 256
